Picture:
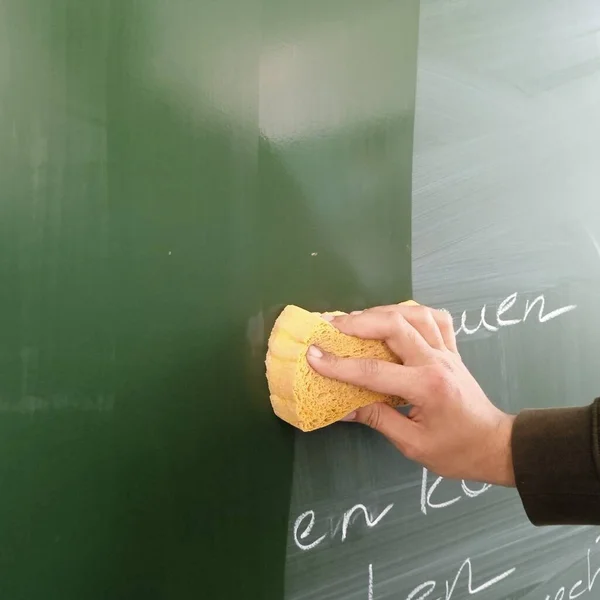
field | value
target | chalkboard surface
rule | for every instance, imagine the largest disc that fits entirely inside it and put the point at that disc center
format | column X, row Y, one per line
column 506, row 224
column 171, row 174
column 139, row 458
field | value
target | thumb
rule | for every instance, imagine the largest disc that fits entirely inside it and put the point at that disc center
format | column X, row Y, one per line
column 395, row 426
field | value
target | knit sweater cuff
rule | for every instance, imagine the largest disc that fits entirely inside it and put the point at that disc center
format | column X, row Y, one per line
column 556, row 458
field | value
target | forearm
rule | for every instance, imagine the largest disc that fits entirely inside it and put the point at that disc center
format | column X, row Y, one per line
column 556, row 458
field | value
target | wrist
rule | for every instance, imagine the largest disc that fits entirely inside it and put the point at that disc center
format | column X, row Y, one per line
column 503, row 472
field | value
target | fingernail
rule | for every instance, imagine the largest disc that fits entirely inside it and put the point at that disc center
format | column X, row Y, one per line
column 356, row 312
column 327, row 317
column 349, row 417
column 315, row 352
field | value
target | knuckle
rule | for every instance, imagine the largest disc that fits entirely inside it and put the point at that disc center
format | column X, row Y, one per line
column 369, row 367
column 446, row 321
column 373, row 416
column 427, row 320
column 423, row 319
column 396, row 320
column 333, row 362
column 422, row 310
column 440, row 381
column 421, row 313
column 412, row 450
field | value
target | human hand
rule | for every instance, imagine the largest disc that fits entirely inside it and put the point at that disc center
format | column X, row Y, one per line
column 452, row 428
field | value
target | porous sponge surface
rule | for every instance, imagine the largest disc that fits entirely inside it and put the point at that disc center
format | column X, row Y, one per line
column 301, row 396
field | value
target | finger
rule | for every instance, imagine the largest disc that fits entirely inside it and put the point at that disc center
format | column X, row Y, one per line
column 446, row 325
column 405, row 303
column 442, row 318
column 399, row 429
column 422, row 318
column 390, row 326
column 376, row 375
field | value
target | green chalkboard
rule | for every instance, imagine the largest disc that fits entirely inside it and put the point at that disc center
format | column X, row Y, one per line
column 139, row 457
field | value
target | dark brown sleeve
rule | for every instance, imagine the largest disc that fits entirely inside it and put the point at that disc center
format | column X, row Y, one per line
column 556, row 457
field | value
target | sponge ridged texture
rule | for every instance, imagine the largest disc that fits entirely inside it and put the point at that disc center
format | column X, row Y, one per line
column 301, row 396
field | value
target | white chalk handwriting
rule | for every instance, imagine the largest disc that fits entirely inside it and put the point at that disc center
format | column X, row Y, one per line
column 569, row 591
column 577, row 589
column 304, row 524
column 423, row 590
column 499, row 318
column 428, row 490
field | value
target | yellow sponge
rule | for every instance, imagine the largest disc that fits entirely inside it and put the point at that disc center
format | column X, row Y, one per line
column 301, row 396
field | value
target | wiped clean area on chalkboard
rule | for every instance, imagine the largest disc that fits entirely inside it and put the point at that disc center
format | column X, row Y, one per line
column 506, row 235
column 139, row 457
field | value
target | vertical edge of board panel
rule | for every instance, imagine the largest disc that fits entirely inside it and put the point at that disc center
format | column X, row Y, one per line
column 140, row 456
